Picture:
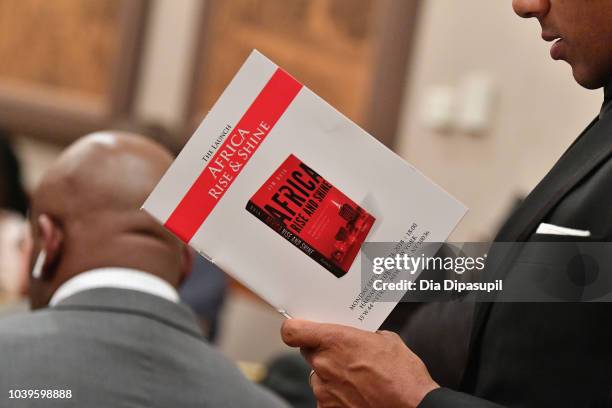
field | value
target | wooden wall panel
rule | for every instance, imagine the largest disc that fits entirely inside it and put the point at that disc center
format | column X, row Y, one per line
column 66, row 45
column 326, row 44
column 68, row 66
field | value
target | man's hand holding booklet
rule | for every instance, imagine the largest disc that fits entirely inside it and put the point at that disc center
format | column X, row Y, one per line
column 280, row 190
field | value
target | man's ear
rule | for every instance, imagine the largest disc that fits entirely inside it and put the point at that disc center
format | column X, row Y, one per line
column 186, row 265
column 51, row 239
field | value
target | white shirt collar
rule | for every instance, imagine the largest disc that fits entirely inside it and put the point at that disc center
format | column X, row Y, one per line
column 121, row 278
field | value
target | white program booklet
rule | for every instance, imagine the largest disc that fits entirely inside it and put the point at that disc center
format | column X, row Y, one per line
column 280, row 190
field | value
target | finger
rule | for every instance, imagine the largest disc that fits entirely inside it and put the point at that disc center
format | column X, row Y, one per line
column 301, row 333
column 307, row 353
column 307, row 334
column 319, row 389
column 320, row 362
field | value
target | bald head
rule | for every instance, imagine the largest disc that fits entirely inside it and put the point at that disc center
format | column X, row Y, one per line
column 101, row 172
column 86, row 212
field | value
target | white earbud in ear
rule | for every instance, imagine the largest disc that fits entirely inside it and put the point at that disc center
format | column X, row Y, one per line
column 38, row 265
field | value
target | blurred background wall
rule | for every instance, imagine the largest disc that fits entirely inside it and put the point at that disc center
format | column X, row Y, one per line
column 464, row 90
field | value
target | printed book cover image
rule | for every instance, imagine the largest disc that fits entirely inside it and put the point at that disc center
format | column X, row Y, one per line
column 280, row 190
column 307, row 210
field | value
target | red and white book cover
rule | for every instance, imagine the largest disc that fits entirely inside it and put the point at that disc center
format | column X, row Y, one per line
column 280, row 190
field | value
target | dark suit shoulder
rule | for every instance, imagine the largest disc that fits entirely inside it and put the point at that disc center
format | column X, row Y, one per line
column 122, row 357
column 26, row 324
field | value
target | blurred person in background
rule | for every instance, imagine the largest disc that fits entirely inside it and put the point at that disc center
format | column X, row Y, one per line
column 13, row 207
column 108, row 328
column 12, row 194
column 13, row 260
column 520, row 354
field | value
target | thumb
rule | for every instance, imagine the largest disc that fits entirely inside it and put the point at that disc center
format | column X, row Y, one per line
column 301, row 333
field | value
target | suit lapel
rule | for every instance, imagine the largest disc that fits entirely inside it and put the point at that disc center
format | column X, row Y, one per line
column 582, row 156
column 592, row 147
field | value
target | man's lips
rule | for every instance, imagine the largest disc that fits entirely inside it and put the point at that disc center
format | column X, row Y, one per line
column 548, row 36
column 557, row 49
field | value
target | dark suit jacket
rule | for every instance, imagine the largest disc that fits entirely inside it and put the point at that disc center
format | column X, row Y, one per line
column 119, row 348
column 546, row 354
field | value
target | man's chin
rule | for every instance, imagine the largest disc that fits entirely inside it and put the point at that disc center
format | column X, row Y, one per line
column 586, row 78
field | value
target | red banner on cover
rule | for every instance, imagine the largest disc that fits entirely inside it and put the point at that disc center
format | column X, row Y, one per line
column 231, row 157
